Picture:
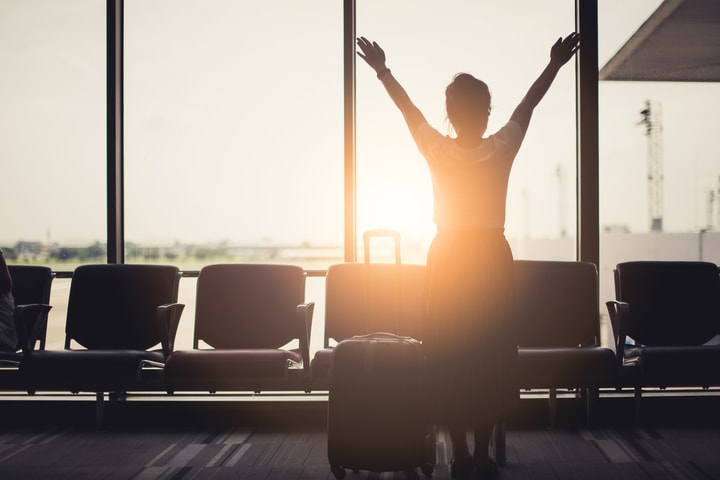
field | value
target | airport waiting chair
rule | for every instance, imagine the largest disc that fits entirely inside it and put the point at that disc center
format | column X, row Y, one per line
column 252, row 330
column 115, row 317
column 361, row 299
column 31, row 291
column 668, row 316
column 558, row 330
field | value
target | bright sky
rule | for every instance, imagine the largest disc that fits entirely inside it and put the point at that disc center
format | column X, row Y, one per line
column 234, row 119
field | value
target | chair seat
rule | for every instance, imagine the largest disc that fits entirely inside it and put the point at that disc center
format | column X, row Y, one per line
column 565, row 366
column 86, row 369
column 10, row 358
column 229, row 363
column 689, row 365
column 10, row 378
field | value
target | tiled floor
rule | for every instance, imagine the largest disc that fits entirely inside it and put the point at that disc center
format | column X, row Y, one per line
column 162, row 441
column 219, row 453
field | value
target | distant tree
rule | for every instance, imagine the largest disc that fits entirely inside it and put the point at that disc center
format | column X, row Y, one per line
column 65, row 254
column 9, row 253
column 96, row 251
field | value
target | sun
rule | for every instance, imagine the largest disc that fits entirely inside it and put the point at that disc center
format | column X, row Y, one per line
column 405, row 206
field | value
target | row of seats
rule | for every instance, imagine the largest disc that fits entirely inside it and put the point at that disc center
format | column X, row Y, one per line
column 252, row 327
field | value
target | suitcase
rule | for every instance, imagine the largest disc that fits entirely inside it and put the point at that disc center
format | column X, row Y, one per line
column 377, row 403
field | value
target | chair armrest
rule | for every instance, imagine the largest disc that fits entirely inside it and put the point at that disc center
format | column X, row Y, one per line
column 305, row 317
column 30, row 323
column 618, row 312
column 168, row 319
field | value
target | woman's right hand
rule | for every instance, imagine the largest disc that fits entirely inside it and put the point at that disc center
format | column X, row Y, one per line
column 565, row 48
column 372, row 54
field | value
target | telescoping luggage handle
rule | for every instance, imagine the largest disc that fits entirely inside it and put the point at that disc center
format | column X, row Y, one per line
column 394, row 234
column 367, row 236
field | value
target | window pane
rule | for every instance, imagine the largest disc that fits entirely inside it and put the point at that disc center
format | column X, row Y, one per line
column 233, row 131
column 659, row 167
column 52, row 132
column 508, row 50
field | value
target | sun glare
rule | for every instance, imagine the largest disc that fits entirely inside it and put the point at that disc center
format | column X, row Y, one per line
column 407, row 208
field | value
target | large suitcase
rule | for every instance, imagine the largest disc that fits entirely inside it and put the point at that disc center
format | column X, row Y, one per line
column 377, row 404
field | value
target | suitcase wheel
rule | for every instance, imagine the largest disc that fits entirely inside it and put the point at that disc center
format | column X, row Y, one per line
column 337, row 471
column 427, row 469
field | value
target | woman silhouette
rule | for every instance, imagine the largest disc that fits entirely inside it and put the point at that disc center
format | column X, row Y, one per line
column 469, row 336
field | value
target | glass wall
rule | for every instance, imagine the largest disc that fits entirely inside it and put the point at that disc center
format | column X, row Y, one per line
column 659, row 167
column 505, row 44
column 233, row 131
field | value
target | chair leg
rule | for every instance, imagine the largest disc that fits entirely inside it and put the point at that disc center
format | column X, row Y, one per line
column 637, row 401
column 499, row 452
column 552, row 405
column 592, row 399
column 100, row 408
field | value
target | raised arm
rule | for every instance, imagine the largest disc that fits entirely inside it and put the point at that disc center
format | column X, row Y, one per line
column 560, row 53
column 375, row 57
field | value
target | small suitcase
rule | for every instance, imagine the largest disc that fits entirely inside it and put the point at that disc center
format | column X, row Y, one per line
column 377, row 404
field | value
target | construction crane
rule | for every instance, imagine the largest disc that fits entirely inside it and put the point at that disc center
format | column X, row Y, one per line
column 651, row 118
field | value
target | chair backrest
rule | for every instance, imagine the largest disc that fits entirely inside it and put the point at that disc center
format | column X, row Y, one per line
column 361, row 297
column 672, row 303
column 242, row 306
column 114, row 306
column 31, row 283
column 557, row 303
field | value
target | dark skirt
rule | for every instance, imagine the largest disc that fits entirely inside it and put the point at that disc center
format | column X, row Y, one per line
column 469, row 332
